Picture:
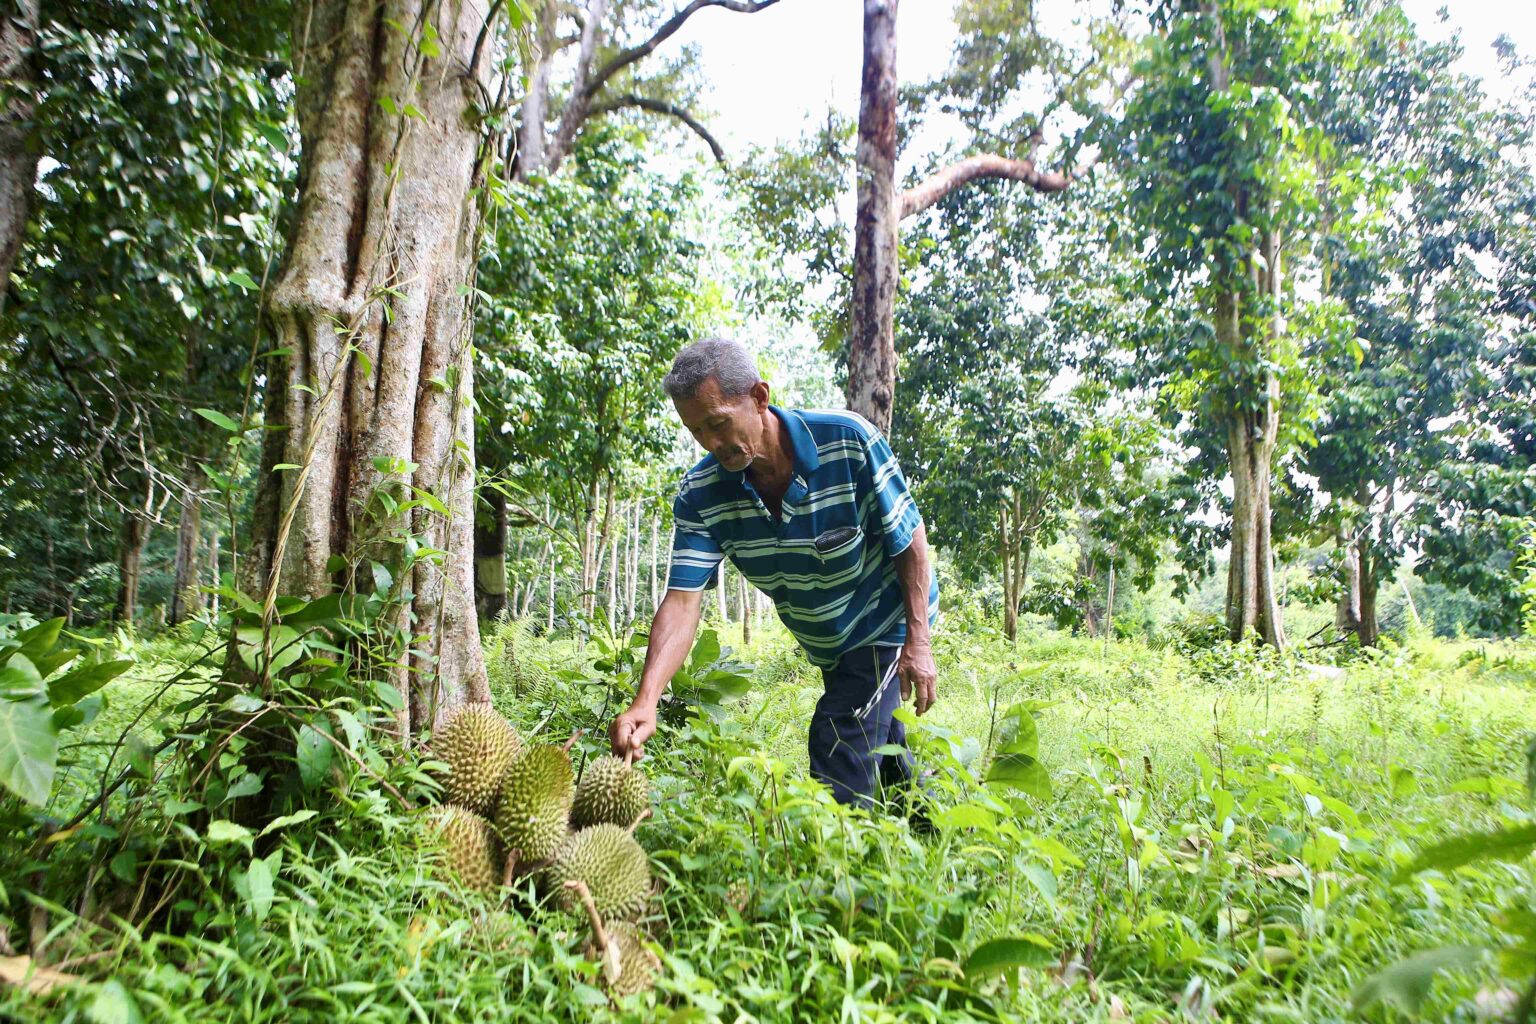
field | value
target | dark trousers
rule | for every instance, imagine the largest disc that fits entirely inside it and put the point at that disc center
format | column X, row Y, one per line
column 853, row 720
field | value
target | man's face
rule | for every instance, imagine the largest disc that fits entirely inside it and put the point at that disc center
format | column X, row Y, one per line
column 730, row 429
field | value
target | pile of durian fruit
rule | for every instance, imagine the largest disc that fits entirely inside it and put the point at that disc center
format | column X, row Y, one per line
column 511, row 810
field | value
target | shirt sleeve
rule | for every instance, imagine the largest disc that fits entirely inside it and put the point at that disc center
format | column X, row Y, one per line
column 899, row 518
column 695, row 553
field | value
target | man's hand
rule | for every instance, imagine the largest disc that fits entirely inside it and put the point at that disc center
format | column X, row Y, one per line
column 630, row 730
column 918, row 672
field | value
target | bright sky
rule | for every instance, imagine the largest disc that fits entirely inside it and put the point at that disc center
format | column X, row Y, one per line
column 774, row 73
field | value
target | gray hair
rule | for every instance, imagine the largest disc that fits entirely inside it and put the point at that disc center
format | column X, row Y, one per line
column 724, row 359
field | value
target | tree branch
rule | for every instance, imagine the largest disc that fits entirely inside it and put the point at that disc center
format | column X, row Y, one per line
column 667, row 29
column 988, row 165
column 670, row 110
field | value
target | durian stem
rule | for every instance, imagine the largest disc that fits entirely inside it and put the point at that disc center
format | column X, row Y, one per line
column 513, row 855
column 642, row 816
column 629, row 758
column 572, row 741
column 611, row 966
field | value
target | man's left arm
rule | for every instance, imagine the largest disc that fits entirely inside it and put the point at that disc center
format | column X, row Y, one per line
column 916, row 668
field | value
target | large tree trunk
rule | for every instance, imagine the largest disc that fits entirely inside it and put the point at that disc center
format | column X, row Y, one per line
column 130, row 563
column 186, row 583
column 871, row 345
column 18, row 156
column 1251, row 435
column 376, row 401
column 491, row 556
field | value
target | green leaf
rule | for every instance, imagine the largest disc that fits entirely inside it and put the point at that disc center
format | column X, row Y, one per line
column 966, row 815
column 289, row 819
column 113, row 1005
column 35, row 642
column 258, row 884
column 388, row 695
column 1406, row 983
column 1028, row 950
column 222, row 831
column 29, row 748
column 218, row 419
column 248, row 784
column 241, row 278
column 1507, row 844
column 313, row 753
column 1021, row 735
column 1023, row 773
column 84, row 681
column 20, row 679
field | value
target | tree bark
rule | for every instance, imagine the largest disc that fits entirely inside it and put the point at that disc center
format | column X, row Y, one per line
column 130, row 563
column 18, row 155
column 655, row 594
column 375, row 401
column 491, row 556
column 1370, row 629
column 213, row 572
column 871, row 344
column 186, row 583
column 976, row 168
column 1346, row 615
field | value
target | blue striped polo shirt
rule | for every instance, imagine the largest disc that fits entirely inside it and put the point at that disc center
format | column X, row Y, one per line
column 845, row 476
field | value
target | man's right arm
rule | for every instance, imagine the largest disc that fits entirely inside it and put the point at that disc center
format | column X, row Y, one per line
column 672, row 633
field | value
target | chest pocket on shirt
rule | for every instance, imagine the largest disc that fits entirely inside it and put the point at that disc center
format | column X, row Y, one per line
column 833, row 544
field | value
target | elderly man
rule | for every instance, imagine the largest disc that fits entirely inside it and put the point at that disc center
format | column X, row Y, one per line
column 812, row 508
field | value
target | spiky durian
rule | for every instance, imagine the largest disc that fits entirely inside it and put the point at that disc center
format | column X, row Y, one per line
column 613, row 866
column 637, row 965
column 478, row 746
column 469, row 846
column 610, row 792
column 536, row 802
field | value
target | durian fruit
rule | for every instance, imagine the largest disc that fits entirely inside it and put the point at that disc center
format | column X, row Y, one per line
column 536, row 802
column 469, row 847
column 638, row 966
column 613, row 866
column 611, row 791
column 478, row 746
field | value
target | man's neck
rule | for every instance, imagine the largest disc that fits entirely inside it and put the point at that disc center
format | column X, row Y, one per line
column 771, row 471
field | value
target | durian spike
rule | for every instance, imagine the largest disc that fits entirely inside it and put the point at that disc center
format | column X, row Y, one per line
column 512, row 858
column 643, row 815
column 572, row 741
column 612, row 967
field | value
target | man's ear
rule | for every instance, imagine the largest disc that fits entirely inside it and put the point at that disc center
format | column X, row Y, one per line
column 760, row 395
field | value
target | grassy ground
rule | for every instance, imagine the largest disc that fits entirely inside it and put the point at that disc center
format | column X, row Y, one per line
column 1219, row 842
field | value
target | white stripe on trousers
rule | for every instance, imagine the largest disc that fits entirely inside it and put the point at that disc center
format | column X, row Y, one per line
column 890, row 673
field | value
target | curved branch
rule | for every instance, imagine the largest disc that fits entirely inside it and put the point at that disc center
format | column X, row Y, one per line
column 667, row 29
column 988, row 165
column 670, row 110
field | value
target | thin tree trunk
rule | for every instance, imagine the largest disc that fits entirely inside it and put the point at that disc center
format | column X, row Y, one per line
column 615, row 546
column 1370, row 628
column 376, row 400
column 491, row 556
column 1007, row 555
column 720, row 595
column 745, row 607
column 1109, row 605
column 872, row 348
column 18, row 155
column 130, row 563
column 186, row 584
column 655, row 593
column 213, row 571
column 634, row 562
